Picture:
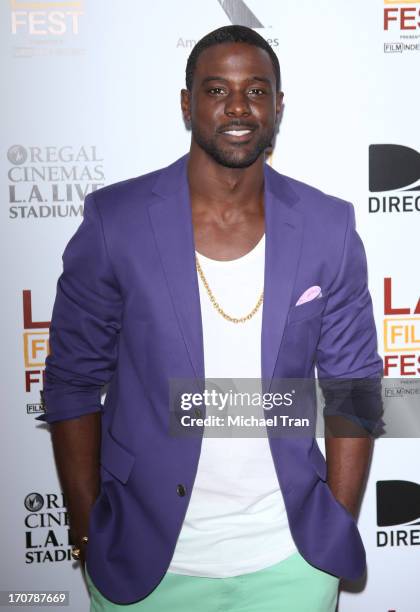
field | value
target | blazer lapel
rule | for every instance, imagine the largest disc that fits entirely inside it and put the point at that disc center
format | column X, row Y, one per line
column 284, row 233
column 171, row 218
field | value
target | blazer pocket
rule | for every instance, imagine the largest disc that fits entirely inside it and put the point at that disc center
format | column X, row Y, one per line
column 115, row 458
column 307, row 310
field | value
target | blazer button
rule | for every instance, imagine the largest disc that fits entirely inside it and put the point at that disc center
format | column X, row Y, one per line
column 197, row 412
column 181, row 490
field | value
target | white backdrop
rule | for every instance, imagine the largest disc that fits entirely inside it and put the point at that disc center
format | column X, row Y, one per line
column 90, row 97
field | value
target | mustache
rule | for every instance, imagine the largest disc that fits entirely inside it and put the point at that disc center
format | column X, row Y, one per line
column 239, row 124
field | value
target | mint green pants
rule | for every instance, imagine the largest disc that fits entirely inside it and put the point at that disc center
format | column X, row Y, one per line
column 289, row 586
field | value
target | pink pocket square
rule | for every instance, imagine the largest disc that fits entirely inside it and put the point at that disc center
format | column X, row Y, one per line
column 310, row 294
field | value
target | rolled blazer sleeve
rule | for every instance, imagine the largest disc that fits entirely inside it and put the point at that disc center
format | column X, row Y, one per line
column 85, row 324
column 348, row 364
column 347, row 346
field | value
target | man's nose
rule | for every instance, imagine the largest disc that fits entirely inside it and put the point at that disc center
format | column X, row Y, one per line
column 237, row 105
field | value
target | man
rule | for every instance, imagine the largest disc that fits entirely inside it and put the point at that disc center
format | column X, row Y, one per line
column 163, row 280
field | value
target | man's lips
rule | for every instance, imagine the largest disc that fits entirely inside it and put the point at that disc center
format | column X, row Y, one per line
column 238, row 133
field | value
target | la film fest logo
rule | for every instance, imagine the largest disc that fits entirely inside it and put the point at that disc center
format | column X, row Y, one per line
column 46, row 525
column 52, row 181
column 46, row 18
column 397, row 505
column 394, row 178
column 35, row 350
column 401, row 24
column 46, row 28
column 401, row 334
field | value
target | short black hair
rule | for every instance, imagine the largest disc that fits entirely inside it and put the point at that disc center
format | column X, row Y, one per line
column 230, row 34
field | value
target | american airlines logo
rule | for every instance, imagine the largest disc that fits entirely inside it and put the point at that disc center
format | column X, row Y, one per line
column 239, row 13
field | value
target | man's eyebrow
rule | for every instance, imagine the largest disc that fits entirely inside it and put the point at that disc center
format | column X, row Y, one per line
column 262, row 79
column 219, row 78
column 212, row 78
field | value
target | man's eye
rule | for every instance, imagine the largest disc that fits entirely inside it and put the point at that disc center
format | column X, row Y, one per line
column 216, row 91
column 257, row 91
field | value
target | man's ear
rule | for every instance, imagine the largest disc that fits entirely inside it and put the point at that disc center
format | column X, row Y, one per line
column 279, row 102
column 186, row 104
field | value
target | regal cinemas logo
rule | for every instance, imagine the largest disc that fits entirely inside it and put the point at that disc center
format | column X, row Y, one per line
column 398, row 513
column 46, row 18
column 394, row 176
column 35, row 350
column 401, row 23
column 46, row 524
column 401, row 335
column 52, row 181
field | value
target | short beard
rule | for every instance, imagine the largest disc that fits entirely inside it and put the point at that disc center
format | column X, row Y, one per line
column 230, row 158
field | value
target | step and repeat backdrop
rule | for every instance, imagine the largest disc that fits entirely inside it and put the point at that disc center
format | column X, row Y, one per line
column 91, row 95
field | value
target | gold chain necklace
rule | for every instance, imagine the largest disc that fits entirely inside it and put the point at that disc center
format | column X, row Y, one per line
column 217, row 306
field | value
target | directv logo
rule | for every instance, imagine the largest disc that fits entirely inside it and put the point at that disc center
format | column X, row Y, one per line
column 394, row 168
column 398, row 503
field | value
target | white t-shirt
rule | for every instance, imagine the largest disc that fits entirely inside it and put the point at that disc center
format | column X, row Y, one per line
column 236, row 521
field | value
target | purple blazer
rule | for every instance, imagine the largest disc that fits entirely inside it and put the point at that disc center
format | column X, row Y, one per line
column 127, row 313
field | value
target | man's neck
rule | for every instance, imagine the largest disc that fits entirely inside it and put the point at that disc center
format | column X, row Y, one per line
column 227, row 206
column 221, row 188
